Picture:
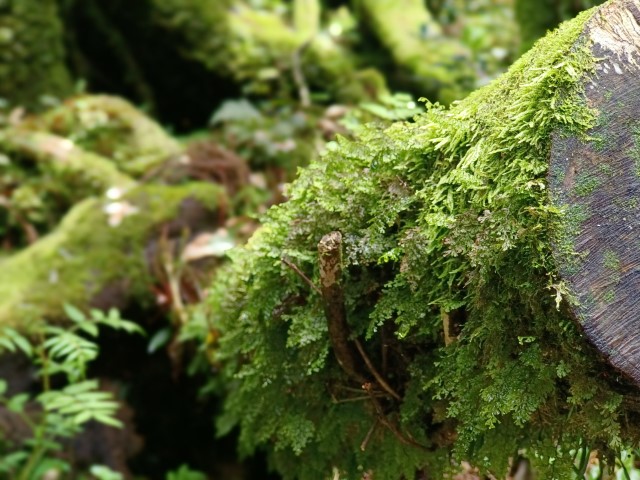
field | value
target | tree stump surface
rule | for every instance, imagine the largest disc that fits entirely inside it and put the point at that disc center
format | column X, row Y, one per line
column 596, row 181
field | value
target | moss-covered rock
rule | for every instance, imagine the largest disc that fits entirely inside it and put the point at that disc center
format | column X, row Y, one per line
column 32, row 54
column 444, row 220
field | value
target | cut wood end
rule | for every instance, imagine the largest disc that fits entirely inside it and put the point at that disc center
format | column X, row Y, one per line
column 615, row 29
column 596, row 181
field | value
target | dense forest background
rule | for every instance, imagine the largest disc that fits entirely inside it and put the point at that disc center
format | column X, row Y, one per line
column 141, row 141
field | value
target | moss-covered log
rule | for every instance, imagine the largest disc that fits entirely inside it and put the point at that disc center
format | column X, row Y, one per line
column 251, row 45
column 416, row 43
column 32, row 54
column 113, row 128
column 71, row 163
column 102, row 252
column 449, row 219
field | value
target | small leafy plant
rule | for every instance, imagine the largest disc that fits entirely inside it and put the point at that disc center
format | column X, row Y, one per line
column 56, row 414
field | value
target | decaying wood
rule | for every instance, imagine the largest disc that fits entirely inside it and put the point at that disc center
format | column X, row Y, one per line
column 596, row 181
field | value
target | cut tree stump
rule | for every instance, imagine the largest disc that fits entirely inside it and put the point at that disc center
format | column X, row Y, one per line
column 597, row 182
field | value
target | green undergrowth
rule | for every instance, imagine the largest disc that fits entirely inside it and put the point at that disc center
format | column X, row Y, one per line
column 448, row 213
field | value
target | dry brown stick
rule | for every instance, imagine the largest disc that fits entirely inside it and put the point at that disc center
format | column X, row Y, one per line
column 379, row 378
column 301, row 274
column 330, row 259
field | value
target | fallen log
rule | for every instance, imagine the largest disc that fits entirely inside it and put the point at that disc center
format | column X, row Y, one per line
column 103, row 252
column 513, row 217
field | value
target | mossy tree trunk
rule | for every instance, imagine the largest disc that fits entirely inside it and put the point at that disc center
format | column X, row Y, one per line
column 479, row 245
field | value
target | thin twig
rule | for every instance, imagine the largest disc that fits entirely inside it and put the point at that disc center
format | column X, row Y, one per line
column 173, row 279
column 337, row 401
column 298, row 75
column 301, row 274
column 392, row 427
column 365, row 442
column 379, row 378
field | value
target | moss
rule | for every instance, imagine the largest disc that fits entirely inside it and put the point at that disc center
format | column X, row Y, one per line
column 416, row 43
column 448, row 213
column 586, row 183
column 611, row 261
column 609, row 296
column 32, row 56
column 64, row 159
column 112, row 128
column 634, row 150
column 86, row 255
column 256, row 47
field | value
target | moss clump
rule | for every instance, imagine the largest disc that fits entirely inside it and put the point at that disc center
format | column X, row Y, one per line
column 449, row 213
column 95, row 249
column 32, row 56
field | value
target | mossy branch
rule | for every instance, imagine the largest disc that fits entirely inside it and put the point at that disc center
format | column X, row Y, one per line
column 330, row 258
column 65, row 157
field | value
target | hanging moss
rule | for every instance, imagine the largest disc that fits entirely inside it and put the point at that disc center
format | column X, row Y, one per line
column 449, row 213
column 32, row 56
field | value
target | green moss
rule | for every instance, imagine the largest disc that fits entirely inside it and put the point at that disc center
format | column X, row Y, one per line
column 87, row 255
column 256, row 47
column 634, row 150
column 611, row 260
column 415, row 41
column 586, row 183
column 112, row 128
column 449, row 212
column 609, row 296
column 606, row 170
column 32, row 56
